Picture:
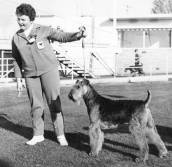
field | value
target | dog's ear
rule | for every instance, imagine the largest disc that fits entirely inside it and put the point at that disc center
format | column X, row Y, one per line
column 85, row 81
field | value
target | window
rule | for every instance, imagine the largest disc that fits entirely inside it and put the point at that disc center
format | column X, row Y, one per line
column 157, row 39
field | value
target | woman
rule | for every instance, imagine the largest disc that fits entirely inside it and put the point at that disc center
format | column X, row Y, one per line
column 35, row 60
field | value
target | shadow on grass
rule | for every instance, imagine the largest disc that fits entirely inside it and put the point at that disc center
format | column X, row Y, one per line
column 19, row 129
column 132, row 156
column 76, row 140
column 164, row 132
column 5, row 163
column 80, row 142
column 121, row 128
column 166, row 135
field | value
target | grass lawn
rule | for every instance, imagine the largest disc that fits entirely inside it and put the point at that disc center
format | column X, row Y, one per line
column 119, row 149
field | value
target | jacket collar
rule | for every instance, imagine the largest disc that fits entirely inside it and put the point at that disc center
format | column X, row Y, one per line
column 33, row 32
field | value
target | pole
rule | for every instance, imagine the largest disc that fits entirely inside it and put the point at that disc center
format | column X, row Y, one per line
column 84, row 57
column 2, row 63
column 82, row 29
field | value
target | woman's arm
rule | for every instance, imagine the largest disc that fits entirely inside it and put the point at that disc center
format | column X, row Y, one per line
column 17, row 61
column 61, row 36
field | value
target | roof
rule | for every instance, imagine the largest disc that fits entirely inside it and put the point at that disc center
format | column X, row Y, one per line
column 154, row 21
column 146, row 17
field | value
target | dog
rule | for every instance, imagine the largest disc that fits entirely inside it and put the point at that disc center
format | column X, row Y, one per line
column 103, row 112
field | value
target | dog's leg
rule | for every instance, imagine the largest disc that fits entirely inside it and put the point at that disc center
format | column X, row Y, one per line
column 96, row 138
column 92, row 137
column 100, row 139
column 154, row 138
column 138, row 132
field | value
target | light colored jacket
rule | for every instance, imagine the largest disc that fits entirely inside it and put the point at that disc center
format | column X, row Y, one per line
column 34, row 54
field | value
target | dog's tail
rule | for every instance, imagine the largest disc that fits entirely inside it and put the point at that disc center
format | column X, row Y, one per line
column 148, row 99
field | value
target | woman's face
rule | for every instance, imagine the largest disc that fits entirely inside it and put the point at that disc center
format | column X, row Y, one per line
column 23, row 22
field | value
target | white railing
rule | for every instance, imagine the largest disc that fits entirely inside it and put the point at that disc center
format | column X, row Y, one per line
column 6, row 64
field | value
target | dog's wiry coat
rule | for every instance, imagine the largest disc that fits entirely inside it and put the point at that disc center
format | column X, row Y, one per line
column 103, row 111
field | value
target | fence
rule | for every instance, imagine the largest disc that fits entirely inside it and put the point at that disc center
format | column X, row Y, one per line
column 6, row 64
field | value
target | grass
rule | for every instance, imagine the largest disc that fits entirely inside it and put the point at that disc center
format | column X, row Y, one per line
column 119, row 149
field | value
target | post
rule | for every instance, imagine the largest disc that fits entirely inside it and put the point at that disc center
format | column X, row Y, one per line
column 2, row 63
column 72, row 69
column 170, row 39
column 7, row 59
column 115, row 63
column 84, row 57
column 167, row 65
column 144, row 38
column 82, row 29
column 115, row 42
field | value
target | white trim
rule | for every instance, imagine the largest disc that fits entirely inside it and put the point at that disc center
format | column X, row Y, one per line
column 143, row 29
column 147, row 17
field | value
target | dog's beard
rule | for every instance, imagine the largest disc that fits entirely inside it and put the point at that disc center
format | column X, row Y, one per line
column 78, row 101
column 75, row 100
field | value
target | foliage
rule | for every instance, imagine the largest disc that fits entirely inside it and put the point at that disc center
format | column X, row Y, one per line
column 162, row 6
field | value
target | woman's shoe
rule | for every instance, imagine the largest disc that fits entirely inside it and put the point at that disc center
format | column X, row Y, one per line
column 35, row 140
column 62, row 140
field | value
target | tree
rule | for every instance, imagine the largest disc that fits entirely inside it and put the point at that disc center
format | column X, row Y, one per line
column 162, row 6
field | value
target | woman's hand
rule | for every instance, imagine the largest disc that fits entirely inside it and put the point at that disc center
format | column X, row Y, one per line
column 82, row 32
column 19, row 85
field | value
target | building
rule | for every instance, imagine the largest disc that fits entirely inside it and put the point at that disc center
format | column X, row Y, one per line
column 151, row 35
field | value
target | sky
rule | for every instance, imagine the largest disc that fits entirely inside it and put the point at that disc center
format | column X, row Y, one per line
column 68, row 8
column 79, row 7
column 60, row 7
column 134, row 7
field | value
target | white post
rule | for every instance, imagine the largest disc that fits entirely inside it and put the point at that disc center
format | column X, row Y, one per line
column 2, row 63
column 72, row 69
column 7, row 67
column 144, row 38
column 167, row 65
column 84, row 57
column 170, row 40
column 115, row 42
column 115, row 63
column 150, row 70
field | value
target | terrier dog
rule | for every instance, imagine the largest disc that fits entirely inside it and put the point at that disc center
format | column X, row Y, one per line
column 103, row 112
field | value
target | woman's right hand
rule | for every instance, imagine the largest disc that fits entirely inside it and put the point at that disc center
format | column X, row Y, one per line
column 19, row 85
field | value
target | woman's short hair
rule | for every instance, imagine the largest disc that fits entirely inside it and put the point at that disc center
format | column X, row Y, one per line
column 26, row 9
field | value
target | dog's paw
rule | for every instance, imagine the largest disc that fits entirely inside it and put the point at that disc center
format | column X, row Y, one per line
column 140, row 160
column 92, row 154
column 163, row 154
